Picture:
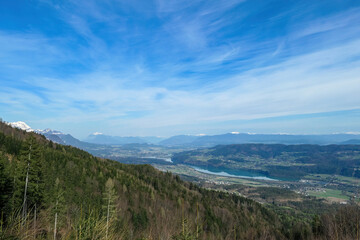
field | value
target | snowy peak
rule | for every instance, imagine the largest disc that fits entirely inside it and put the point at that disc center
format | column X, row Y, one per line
column 97, row 133
column 201, row 135
column 51, row 135
column 49, row 131
column 21, row 125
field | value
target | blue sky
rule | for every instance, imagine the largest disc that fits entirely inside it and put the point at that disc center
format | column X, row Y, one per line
column 167, row 67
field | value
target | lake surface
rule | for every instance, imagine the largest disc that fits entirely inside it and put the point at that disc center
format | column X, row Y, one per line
column 234, row 173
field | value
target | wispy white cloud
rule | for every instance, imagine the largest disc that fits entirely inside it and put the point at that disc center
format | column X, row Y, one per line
column 297, row 86
column 325, row 24
column 32, row 48
column 184, row 72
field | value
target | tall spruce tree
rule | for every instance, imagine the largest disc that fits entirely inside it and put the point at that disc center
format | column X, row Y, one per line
column 28, row 178
column 109, row 200
column 58, row 209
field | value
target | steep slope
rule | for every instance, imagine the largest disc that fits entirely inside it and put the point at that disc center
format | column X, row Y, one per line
column 90, row 198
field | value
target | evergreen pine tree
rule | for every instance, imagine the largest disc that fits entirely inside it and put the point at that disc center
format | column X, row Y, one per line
column 58, row 209
column 109, row 200
column 28, row 179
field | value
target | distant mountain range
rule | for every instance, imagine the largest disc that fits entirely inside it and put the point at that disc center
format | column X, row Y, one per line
column 100, row 138
column 96, row 139
column 239, row 138
column 65, row 139
column 55, row 136
column 352, row 141
column 179, row 140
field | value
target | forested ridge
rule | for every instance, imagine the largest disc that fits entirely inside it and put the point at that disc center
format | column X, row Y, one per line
column 278, row 160
column 51, row 191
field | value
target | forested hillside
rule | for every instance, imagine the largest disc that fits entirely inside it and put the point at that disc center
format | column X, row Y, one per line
column 71, row 194
column 51, row 191
column 277, row 160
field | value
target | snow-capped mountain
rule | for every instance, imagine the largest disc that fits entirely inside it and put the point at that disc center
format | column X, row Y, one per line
column 21, row 125
column 51, row 135
column 48, row 131
column 55, row 136
column 97, row 133
column 62, row 138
